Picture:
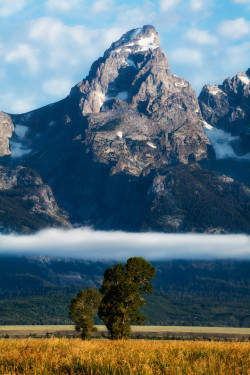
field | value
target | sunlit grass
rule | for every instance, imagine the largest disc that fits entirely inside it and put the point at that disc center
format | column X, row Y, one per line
column 133, row 357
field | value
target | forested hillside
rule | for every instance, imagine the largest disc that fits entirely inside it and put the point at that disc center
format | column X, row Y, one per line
column 38, row 290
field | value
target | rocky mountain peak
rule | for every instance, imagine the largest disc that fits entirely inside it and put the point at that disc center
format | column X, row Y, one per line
column 138, row 113
column 122, row 150
column 130, row 113
column 142, row 39
column 226, row 107
column 119, row 73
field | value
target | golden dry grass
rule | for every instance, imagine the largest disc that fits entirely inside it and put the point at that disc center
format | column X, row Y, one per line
column 133, row 357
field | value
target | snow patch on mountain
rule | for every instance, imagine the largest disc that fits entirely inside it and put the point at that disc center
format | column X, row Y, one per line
column 244, row 79
column 18, row 150
column 131, row 63
column 180, row 84
column 222, row 142
column 150, row 144
column 136, row 33
column 122, row 95
column 21, row 130
column 120, row 134
column 147, row 43
column 101, row 98
column 143, row 44
column 215, row 90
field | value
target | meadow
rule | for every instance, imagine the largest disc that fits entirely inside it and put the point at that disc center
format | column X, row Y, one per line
column 158, row 332
column 132, row 357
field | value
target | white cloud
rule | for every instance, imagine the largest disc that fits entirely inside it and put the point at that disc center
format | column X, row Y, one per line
column 186, row 56
column 202, row 37
column 101, row 6
column 111, row 35
column 46, row 48
column 196, row 4
column 9, row 7
column 69, row 44
column 26, row 53
column 57, row 86
column 18, row 101
column 20, row 105
column 61, row 5
column 51, row 30
column 235, row 29
column 165, row 5
column 61, row 43
column 88, row 244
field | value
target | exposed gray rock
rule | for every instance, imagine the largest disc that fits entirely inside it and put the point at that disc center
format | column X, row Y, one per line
column 120, row 151
column 188, row 198
column 24, row 184
column 6, row 130
column 139, row 113
column 227, row 107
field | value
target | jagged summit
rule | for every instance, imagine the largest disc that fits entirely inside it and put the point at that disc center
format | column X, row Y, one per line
column 117, row 73
column 137, row 40
column 239, row 84
column 136, row 113
column 227, row 107
column 121, row 151
column 133, row 87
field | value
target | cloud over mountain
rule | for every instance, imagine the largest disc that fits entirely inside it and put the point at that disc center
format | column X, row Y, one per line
column 86, row 243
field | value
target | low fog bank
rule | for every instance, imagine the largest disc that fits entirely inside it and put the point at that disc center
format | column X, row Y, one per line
column 86, row 243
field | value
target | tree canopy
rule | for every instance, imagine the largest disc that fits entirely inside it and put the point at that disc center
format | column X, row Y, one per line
column 82, row 310
column 122, row 290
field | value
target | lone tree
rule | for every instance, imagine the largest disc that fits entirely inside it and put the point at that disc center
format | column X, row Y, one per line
column 82, row 309
column 122, row 290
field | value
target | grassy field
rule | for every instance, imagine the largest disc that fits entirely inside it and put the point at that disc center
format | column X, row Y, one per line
column 168, row 332
column 132, row 357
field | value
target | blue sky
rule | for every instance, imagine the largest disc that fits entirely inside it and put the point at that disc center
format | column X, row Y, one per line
column 47, row 46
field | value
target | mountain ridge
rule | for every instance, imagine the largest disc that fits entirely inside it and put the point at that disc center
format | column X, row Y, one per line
column 127, row 125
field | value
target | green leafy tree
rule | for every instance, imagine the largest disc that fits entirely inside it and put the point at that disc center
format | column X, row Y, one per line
column 82, row 309
column 122, row 290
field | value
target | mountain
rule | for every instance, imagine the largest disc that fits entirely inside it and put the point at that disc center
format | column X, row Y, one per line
column 227, row 107
column 6, row 130
column 226, row 111
column 122, row 151
column 26, row 203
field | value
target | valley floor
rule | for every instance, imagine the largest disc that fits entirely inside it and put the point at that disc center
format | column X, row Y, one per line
column 153, row 331
column 67, row 356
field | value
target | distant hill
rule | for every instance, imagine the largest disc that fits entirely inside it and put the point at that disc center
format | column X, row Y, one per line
column 38, row 290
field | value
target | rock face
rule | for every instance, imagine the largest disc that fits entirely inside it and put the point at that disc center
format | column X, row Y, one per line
column 227, row 107
column 6, row 129
column 26, row 203
column 121, row 151
column 138, row 112
column 188, row 198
